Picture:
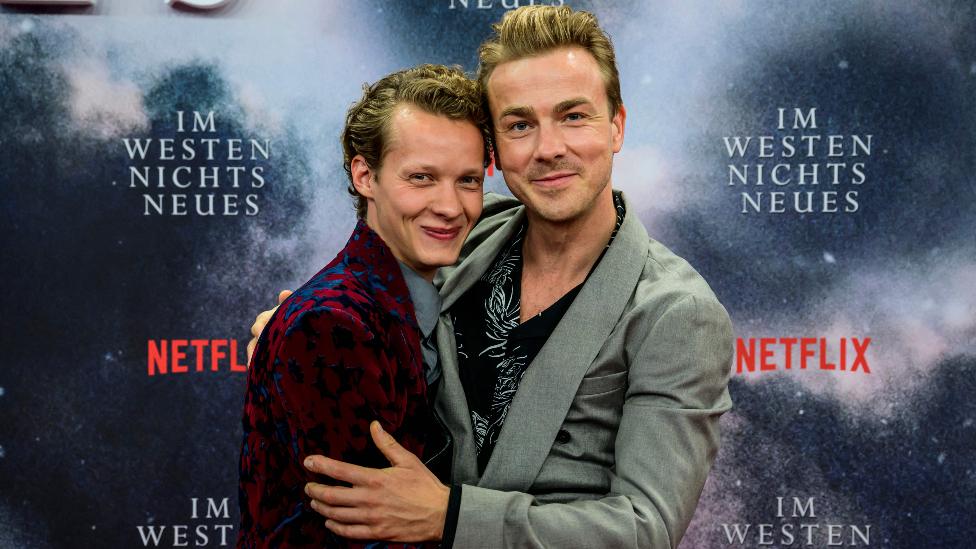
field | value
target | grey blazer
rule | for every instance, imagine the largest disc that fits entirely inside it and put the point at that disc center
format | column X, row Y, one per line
column 614, row 427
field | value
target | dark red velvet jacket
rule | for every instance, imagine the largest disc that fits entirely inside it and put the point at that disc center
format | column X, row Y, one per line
column 343, row 350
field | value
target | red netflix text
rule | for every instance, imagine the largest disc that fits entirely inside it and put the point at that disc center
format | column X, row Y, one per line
column 769, row 354
column 180, row 356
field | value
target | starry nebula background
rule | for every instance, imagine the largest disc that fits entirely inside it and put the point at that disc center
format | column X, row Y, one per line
column 91, row 447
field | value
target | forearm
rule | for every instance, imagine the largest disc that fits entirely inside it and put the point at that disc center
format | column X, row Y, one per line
column 491, row 518
column 651, row 498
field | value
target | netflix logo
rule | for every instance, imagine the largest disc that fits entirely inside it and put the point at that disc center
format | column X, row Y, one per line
column 182, row 356
column 768, row 354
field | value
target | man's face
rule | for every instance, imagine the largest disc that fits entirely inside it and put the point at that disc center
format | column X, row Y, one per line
column 427, row 195
column 554, row 133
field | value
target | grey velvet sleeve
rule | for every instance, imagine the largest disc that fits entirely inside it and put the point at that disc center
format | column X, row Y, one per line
column 665, row 444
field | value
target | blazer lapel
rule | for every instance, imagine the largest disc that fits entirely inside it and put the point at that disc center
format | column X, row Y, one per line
column 549, row 384
column 458, row 280
column 452, row 405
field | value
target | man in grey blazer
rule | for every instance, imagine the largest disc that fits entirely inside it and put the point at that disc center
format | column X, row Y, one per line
column 585, row 366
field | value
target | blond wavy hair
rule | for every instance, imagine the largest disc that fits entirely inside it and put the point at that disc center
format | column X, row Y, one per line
column 437, row 89
column 534, row 30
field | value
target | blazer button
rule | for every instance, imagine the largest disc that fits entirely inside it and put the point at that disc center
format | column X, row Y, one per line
column 562, row 437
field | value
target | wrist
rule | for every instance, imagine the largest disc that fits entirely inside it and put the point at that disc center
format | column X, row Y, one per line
column 451, row 521
column 443, row 498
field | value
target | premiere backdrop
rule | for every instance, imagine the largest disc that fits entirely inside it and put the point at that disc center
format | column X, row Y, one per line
column 165, row 171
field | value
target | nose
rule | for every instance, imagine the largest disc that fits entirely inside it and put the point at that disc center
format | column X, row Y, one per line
column 446, row 203
column 550, row 144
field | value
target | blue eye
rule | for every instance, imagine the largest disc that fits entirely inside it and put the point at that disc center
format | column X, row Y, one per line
column 519, row 126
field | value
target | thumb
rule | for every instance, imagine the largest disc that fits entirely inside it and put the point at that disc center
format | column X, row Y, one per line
column 283, row 295
column 397, row 455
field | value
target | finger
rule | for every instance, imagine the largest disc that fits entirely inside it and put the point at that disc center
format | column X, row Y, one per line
column 396, row 454
column 260, row 322
column 283, row 295
column 345, row 515
column 351, row 531
column 335, row 495
column 250, row 348
column 340, row 470
column 317, row 507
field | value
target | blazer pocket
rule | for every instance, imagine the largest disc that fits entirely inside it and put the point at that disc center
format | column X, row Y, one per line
column 602, row 384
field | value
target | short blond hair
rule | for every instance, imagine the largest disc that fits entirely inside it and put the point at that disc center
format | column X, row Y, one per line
column 437, row 89
column 534, row 30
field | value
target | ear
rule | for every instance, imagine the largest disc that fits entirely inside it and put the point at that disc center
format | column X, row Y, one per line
column 362, row 176
column 617, row 128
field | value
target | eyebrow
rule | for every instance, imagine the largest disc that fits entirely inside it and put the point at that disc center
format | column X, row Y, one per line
column 568, row 104
column 479, row 171
column 520, row 111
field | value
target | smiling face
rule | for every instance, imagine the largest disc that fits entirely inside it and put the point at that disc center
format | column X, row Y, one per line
column 427, row 194
column 554, row 132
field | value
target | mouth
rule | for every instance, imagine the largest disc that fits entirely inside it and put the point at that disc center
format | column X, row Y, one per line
column 553, row 180
column 441, row 233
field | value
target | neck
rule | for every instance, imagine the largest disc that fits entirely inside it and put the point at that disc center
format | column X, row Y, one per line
column 569, row 249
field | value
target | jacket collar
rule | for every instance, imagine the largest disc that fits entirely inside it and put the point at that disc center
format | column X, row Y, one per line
column 372, row 263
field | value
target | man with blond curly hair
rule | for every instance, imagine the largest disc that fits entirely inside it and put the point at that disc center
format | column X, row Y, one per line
column 352, row 345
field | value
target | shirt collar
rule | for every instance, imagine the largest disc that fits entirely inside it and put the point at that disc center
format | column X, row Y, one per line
column 426, row 299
